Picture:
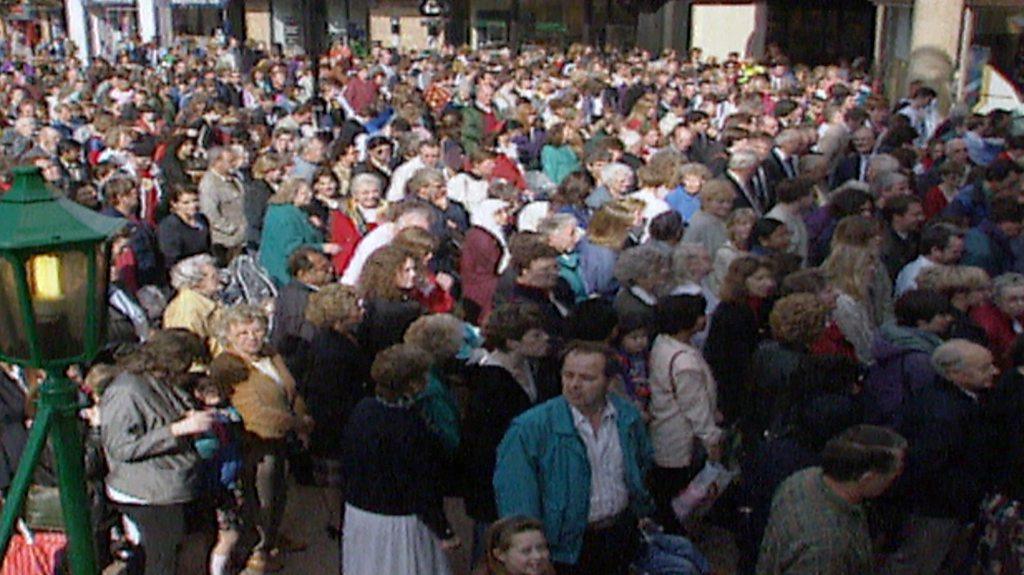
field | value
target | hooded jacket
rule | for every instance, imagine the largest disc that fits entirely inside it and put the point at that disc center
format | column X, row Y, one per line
column 903, row 366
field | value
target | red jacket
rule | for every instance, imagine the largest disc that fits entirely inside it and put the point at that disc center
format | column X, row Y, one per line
column 999, row 329
column 347, row 233
column 433, row 297
column 506, row 169
column 481, row 254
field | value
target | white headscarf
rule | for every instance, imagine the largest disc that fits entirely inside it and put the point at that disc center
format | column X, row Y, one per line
column 483, row 217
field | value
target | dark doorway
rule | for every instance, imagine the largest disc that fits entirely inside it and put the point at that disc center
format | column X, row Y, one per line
column 822, row 31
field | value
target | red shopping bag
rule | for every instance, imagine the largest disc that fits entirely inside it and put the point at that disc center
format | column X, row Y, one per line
column 39, row 556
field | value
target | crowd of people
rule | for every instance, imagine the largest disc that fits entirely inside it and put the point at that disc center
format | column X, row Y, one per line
column 556, row 285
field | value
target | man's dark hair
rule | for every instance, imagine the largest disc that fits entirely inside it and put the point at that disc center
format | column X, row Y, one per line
column 1001, row 169
column 855, row 115
column 578, row 346
column 593, row 320
column 526, row 247
column 862, row 449
column 675, row 313
column 302, row 260
column 511, row 322
column 847, row 202
column 898, row 206
column 937, row 237
column 785, row 108
column 667, row 227
column 763, row 228
column 1006, row 209
column 696, row 116
column 789, row 191
column 925, row 92
column 921, row 305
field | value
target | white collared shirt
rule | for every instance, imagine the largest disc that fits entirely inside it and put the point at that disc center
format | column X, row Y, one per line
column 608, row 493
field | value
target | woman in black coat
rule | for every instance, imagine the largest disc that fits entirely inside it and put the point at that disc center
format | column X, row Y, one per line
column 387, row 283
column 504, row 384
column 738, row 325
column 336, row 377
column 185, row 232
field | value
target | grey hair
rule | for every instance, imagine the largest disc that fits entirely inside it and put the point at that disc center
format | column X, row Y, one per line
column 950, row 356
column 1005, row 282
column 743, row 160
column 642, row 261
column 787, row 136
column 885, row 181
column 365, row 179
column 554, row 222
column 239, row 314
column 610, row 170
column 695, row 169
column 214, row 154
column 883, row 163
column 682, row 255
column 305, row 144
column 190, row 271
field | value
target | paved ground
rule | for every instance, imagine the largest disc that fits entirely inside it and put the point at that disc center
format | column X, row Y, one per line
column 311, row 510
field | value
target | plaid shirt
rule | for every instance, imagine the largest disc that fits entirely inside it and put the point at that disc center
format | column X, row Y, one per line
column 812, row 531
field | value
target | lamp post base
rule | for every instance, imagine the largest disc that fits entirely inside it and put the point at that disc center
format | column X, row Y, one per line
column 57, row 418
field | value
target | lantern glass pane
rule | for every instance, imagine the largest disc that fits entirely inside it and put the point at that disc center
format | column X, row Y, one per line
column 58, row 285
column 13, row 333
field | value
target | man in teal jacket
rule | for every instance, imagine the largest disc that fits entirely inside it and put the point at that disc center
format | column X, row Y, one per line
column 578, row 463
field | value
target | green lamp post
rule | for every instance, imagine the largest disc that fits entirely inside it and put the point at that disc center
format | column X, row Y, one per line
column 53, row 291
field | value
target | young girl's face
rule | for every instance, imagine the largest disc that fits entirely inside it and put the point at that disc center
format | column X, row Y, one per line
column 209, row 398
column 635, row 341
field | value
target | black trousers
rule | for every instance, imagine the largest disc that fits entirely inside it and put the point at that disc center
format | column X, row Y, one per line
column 607, row 551
column 665, row 483
column 162, row 528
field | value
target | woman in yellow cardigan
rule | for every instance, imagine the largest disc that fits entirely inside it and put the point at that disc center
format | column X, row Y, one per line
column 271, row 410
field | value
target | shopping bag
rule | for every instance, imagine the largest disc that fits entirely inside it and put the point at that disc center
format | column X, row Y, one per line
column 35, row 554
column 703, row 491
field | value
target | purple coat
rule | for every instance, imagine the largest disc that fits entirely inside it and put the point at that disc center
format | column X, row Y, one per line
column 902, row 367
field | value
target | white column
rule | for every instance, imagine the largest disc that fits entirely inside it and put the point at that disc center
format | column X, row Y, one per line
column 78, row 28
column 147, row 20
column 165, row 24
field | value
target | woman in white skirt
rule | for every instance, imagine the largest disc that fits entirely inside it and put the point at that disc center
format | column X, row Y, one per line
column 394, row 507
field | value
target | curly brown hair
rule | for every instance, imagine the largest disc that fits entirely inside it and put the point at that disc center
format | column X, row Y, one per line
column 332, row 304
column 798, row 319
column 510, row 322
column 734, row 286
column 439, row 334
column 377, row 281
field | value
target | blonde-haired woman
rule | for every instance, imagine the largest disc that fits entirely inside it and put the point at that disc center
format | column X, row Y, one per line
column 607, row 235
column 707, row 226
column 271, row 410
column 739, row 225
column 851, row 270
column 287, row 228
column 685, row 199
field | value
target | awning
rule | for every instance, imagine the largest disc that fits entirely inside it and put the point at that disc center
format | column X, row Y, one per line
column 551, row 27
column 219, row 4
column 111, row 3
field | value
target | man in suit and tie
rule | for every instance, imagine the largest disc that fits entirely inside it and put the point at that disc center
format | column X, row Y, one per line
column 855, row 165
column 782, row 161
column 742, row 166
